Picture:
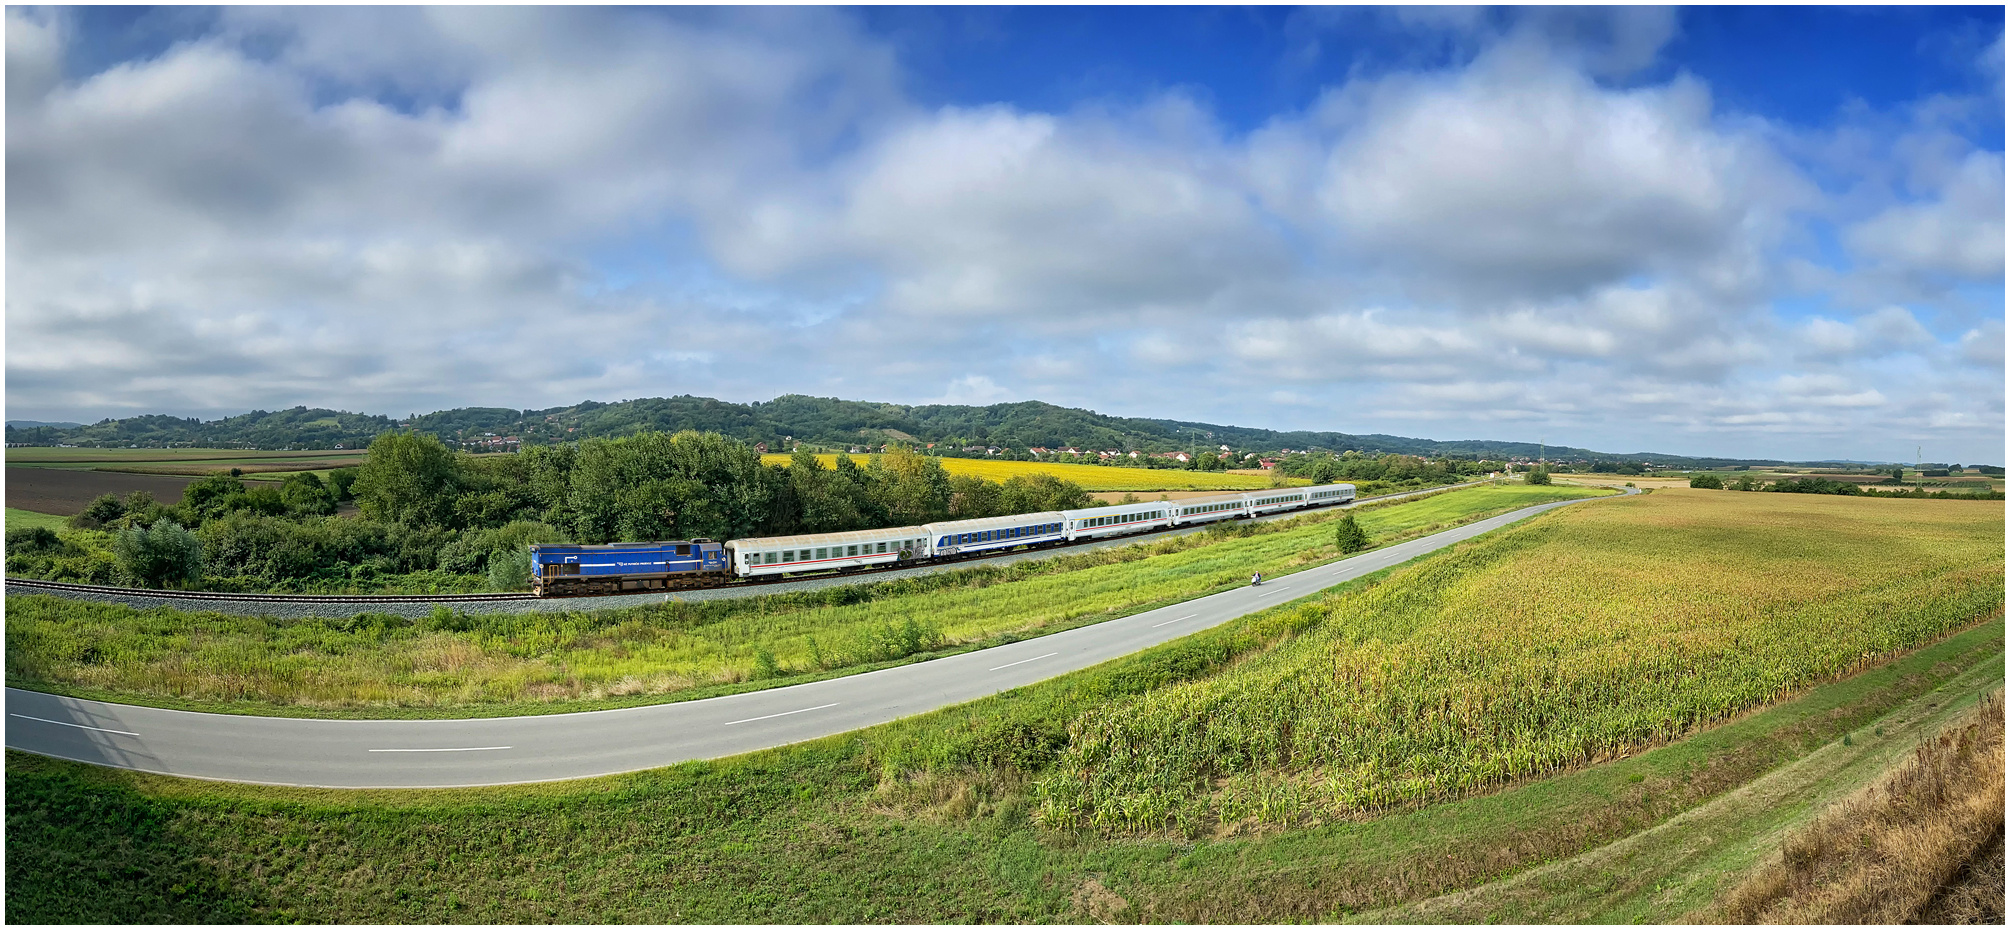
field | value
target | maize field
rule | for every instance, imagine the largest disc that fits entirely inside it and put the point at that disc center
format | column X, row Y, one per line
column 1584, row 635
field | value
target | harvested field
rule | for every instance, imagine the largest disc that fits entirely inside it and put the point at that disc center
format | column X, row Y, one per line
column 65, row 491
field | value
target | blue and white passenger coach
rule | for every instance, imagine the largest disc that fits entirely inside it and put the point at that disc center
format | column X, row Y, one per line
column 984, row 534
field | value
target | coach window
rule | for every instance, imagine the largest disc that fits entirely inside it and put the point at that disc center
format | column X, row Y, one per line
column 851, row 551
column 822, row 553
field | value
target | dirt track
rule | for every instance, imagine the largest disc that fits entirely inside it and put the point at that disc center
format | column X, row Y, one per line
column 64, row 492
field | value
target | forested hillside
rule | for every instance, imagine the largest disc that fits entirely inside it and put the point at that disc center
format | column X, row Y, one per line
column 821, row 421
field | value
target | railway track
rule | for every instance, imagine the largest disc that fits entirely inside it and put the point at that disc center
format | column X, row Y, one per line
column 27, row 585
column 64, row 587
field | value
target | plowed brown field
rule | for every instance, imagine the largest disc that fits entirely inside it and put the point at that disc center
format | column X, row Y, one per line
column 64, row 491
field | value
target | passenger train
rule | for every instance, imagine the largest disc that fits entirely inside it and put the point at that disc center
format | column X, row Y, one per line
column 700, row 563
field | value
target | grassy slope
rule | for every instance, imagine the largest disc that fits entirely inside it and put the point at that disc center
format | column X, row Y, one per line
column 501, row 664
column 17, row 519
column 833, row 831
column 1090, row 477
column 1680, row 865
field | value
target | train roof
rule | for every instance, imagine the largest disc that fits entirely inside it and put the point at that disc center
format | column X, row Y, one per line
column 1105, row 511
column 620, row 546
column 981, row 524
column 1210, row 499
column 826, row 539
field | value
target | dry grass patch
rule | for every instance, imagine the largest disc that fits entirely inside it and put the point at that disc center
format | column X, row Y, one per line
column 1889, row 853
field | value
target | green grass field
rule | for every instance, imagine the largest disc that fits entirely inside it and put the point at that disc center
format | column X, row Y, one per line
column 1090, row 477
column 20, row 518
column 518, row 663
column 926, row 821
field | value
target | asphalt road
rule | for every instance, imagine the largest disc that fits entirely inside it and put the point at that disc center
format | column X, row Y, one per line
column 510, row 750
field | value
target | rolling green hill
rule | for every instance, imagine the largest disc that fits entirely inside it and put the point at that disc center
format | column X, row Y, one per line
column 825, row 421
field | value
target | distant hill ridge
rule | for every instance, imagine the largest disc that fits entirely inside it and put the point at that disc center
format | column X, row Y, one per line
column 826, row 421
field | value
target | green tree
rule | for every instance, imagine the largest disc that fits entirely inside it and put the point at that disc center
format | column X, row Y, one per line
column 213, row 495
column 104, row 511
column 1537, row 475
column 971, row 496
column 1349, row 536
column 1711, row 482
column 160, row 554
column 408, row 478
column 305, row 494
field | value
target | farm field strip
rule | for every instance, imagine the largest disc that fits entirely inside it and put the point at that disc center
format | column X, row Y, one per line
column 383, row 665
column 1090, row 477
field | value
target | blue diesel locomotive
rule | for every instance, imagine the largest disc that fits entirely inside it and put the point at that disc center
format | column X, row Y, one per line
column 624, row 567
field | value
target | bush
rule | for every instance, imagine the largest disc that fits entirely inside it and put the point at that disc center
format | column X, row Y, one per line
column 1349, row 536
column 163, row 553
column 32, row 540
column 509, row 570
column 1710, row 482
column 101, row 512
column 1538, row 476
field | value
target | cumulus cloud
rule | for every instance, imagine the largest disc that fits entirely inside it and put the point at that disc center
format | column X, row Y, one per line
column 1520, row 175
column 1959, row 232
column 400, row 209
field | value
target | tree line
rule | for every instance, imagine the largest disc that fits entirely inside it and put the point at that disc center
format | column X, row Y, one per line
column 438, row 519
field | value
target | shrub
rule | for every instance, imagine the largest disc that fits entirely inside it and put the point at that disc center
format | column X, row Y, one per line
column 160, row 554
column 32, row 539
column 509, row 570
column 105, row 510
column 1349, row 536
column 1538, row 476
column 1710, row 482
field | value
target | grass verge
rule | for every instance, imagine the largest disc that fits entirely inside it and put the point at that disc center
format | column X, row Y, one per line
column 16, row 519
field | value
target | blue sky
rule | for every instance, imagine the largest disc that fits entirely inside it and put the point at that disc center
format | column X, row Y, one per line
column 1768, row 232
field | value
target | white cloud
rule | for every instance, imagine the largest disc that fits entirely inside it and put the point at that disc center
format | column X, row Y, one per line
column 974, row 390
column 1518, row 175
column 1959, row 233
column 408, row 209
